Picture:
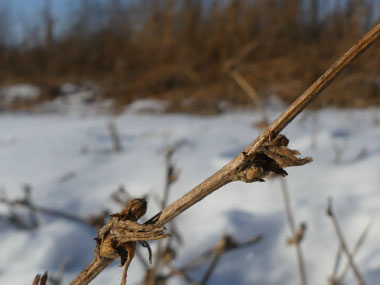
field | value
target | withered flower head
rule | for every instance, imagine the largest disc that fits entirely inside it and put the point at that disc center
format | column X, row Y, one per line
column 134, row 210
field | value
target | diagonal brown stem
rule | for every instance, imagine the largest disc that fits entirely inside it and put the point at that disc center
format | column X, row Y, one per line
column 251, row 92
column 224, row 175
column 91, row 271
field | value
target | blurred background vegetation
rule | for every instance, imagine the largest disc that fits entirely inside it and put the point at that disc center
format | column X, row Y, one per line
column 182, row 51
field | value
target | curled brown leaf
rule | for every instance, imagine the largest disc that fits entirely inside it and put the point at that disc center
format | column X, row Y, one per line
column 120, row 236
column 271, row 157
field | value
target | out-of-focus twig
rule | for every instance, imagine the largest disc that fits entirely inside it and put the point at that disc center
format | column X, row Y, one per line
column 342, row 242
column 115, row 137
column 299, row 235
column 121, row 195
column 40, row 280
column 26, row 201
column 226, row 244
column 171, row 176
column 295, row 236
column 332, row 279
column 17, row 219
column 358, row 244
column 181, row 273
column 56, row 279
column 241, row 54
column 243, row 83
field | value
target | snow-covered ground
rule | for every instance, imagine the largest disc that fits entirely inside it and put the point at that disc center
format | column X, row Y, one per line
column 18, row 92
column 69, row 162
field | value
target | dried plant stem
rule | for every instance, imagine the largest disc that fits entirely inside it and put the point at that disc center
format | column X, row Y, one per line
column 169, row 169
column 358, row 243
column 241, row 54
column 342, row 243
column 226, row 244
column 118, row 239
column 244, row 84
column 210, row 269
column 223, row 176
column 92, row 270
column 251, row 92
column 44, row 210
column 227, row 173
column 115, row 137
column 293, row 230
column 181, row 273
column 338, row 256
column 171, row 175
column 56, row 279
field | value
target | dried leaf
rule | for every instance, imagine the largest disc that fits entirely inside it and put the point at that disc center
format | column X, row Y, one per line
column 147, row 246
column 119, row 237
column 271, row 157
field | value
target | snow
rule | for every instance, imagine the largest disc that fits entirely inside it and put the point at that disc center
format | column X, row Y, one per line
column 77, row 99
column 148, row 106
column 69, row 162
column 19, row 91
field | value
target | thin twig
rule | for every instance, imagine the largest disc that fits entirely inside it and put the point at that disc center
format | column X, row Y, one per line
column 244, row 84
column 223, row 246
column 181, row 273
column 226, row 244
column 251, row 92
column 292, row 227
column 338, row 256
column 241, row 54
column 210, row 269
column 115, row 137
column 358, row 243
column 171, row 175
column 56, row 279
column 227, row 173
column 28, row 199
column 44, row 210
column 223, row 176
column 342, row 242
